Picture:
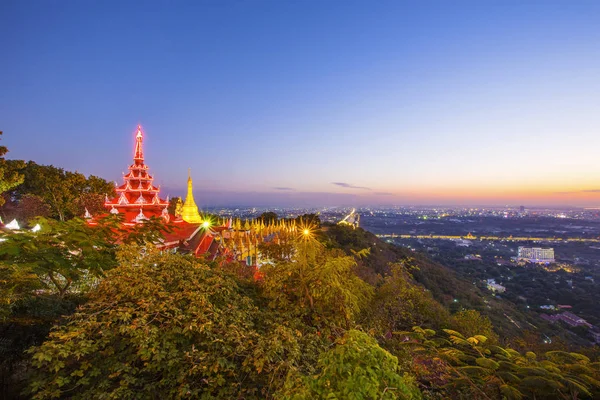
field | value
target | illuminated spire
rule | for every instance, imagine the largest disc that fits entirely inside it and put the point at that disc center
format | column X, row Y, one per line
column 137, row 189
column 190, row 212
column 139, row 152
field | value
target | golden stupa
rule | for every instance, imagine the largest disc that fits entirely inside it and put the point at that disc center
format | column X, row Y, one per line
column 189, row 212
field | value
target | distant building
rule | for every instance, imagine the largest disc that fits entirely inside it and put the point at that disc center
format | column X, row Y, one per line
column 535, row 254
column 595, row 333
column 495, row 287
column 568, row 318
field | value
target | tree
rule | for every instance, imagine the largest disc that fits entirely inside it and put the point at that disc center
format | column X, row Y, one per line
column 24, row 210
column 9, row 177
column 173, row 204
column 92, row 202
column 355, row 368
column 399, row 304
column 64, row 191
column 31, row 206
column 148, row 233
column 318, row 284
column 309, row 219
column 159, row 326
column 471, row 322
column 268, row 217
column 61, row 254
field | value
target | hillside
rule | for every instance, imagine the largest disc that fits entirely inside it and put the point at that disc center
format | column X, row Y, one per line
column 343, row 315
column 453, row 291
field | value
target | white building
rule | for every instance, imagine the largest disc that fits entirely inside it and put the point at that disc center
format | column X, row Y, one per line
column 535, row 254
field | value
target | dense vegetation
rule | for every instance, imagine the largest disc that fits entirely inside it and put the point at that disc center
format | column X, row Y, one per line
column 321, row 323
column 100, row 313
column 48, row 191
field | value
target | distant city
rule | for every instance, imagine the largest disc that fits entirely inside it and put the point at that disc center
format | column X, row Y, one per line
column 420, row 212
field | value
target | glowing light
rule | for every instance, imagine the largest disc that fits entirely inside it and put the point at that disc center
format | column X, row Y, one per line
column 13, row 225
column 305, row 231
column 206, row 224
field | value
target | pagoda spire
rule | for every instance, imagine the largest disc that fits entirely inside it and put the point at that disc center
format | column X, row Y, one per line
column 190, row 213
column 137, row 190
column 139, row 151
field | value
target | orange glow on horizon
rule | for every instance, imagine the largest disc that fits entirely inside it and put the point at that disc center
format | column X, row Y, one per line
column 584, row 196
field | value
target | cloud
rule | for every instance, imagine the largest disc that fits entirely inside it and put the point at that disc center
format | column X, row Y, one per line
column 349, row 186
column 384, row 193
column 580, row 191
column 283, row 188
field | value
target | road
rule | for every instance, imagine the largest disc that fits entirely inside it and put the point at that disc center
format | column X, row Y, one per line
column 496, row 238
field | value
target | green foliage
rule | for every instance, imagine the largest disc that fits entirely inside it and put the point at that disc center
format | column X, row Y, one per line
column 44, row 275
column 26, row 209
column 312, row 220
column 29, row 318
column 317, row 285
column 159, row 326
column 355, row 368
column 16, row 284
column 149, row 232
column 472, row 323
column 268, row 217
column 9, row 176
column 61, row 254
column 66, row 193
column 484, row 370
column 399, row 304
column 173, row 204
column 172, row 326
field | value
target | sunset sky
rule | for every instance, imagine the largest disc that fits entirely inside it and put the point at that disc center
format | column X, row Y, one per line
column 313, row 102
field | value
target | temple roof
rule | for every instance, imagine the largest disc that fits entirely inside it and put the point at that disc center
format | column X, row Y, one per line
column 137, row 197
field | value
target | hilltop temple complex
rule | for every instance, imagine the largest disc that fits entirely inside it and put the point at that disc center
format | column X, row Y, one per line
column 138, row 200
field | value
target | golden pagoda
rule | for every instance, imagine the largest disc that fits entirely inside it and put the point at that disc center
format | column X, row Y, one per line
column 190, row 213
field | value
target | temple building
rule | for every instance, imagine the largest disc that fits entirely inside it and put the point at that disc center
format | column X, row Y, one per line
column 189, row 211
column 137, row 198
column 189, row 232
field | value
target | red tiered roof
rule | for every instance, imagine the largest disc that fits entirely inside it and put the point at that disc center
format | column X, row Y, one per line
column 137, row 197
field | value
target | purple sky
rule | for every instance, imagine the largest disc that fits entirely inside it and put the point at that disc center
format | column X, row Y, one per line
column 312, row 102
